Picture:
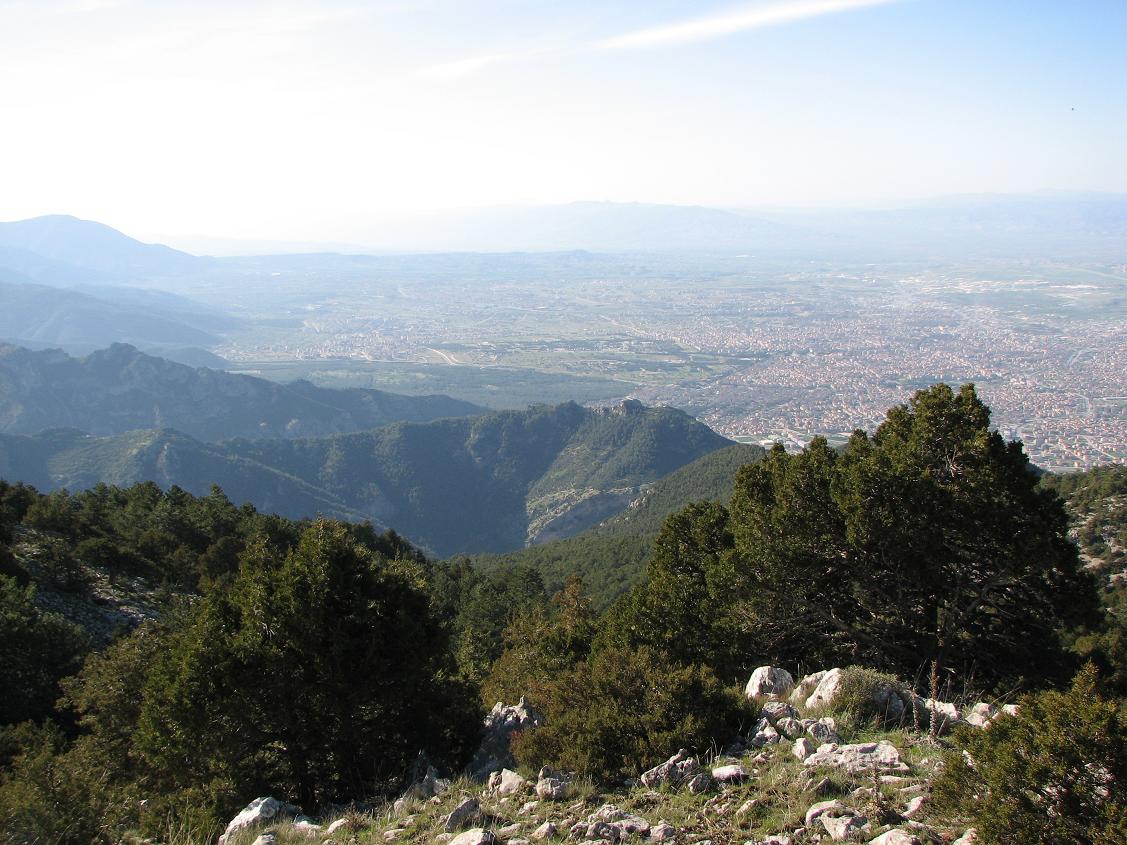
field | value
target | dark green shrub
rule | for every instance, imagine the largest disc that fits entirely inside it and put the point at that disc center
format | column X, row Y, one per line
column 869, row 697
column 1056, row 773
column 623, row 711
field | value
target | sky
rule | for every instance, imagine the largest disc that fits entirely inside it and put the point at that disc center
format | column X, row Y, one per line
column 317, row 120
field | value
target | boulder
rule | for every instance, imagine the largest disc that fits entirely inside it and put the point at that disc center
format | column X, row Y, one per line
column 495, row 753
column 841, row 828
column 833, row 807
column 335, row 826
column 895, row 837
column 822, row 730
column 552, row 785
column 627, row 823
column 306, row 826
column 805, row 688
column 506, row 782
column 769, row 682
column 790, row 728
column 545, row 831
column 259, row 811
column 802, row 748
column 970, row 837
column 469, row 809
column 856, row 758
column 914, row 807
column 773, row 711
column 663, row 832
column 678, row 770
column 476, row 836
column 733, row 773
column 829, row 685
column 763, row 734
column 701, row 783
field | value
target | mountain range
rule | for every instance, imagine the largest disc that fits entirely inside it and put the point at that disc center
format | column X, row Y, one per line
column 121, row 389
column 493, row 482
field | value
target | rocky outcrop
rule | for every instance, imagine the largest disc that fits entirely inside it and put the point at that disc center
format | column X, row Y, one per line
column 258, row 812
column 680, row 770
column 495, row 751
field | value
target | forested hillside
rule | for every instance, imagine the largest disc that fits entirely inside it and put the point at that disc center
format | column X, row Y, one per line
column 488, row 483
column 611, row 557
column 121, row 389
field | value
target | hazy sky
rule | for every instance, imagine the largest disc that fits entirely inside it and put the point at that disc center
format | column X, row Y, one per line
column 313, row 119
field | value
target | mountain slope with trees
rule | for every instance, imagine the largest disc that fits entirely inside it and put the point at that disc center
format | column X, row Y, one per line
column 121, row 389
column 456, row 485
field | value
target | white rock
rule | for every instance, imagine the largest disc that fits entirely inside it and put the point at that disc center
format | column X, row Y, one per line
column 258, row 811
column 856, row 758
column 826, row 691
column 895, row 837
column 527, row 808
column 476, row 836
column 306, row 826
column 841, row 828
column 914, row 807
column 730, row 774
column 663, row 832
column 509, row 782
column 769, row 682
column 545, row 831
column 266, row 839
column 805, row 688
column 335, row 826
column 981, row 715
column 970, row 837
column 822, row 808
column 772, row 711
column 802, row 748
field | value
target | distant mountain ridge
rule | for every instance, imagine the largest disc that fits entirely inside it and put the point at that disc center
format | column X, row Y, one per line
column 59, row 244
column 474, row 484
column 121, row 389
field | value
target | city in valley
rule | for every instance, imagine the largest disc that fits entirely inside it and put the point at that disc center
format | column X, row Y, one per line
column 759, row 349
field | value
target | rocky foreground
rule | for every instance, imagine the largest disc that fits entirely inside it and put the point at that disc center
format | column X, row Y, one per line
column 803, row 774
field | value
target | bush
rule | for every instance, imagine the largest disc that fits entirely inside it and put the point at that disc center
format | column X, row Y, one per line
column 868, row 697
column 625, row 710
column 1055, row 773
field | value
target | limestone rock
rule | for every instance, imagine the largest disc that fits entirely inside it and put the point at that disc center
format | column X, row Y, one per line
column 506, row 782
column 841, row 828
column 981, row 715
column 663, row 832
column 769, row 682
column 805, row 688
column 701, row 782
column 832, row 807
column 733, row 773
column 895, row 837
column 773, row 711
column 552, row 785
column 822, row 730
column 335, row 826
column 258, row 811
column 914, row 807
column 675, row 771
column 970, row 837
column 856, row 758
column 828, row 687
column 495, row 753
column 476, row 836
column 467, row 810
column 545, row 831
column 790, row 727
column 802, row 748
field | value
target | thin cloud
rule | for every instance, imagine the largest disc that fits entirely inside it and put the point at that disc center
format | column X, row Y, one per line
column 729, row 23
